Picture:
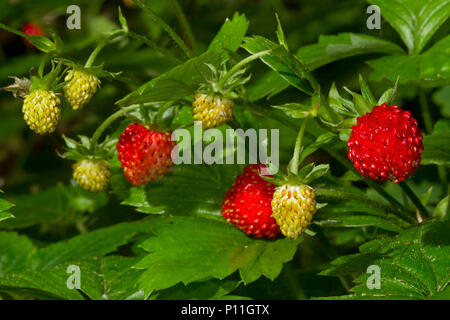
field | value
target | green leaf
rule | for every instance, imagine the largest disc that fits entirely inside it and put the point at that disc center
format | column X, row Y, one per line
column 331, row 48
column 442, row 99
column 231, row 34
column 207, row 248
column 5, row 215
column 436, row 147
column 356, row 214
column 361, row 105
column 206, row 290
column 122, row 20
column 341, row 105
column 280, row 60
column 5, row 205
column 317, row 172
column 22, row 266
column 430, row 69
column 95, row 243
column 15, row 251
column 321, row 140
column 176, row 194
column 415, row 20
column 178, row 83
column 295, row 110
column 32, row 209
column 42, row 43
column 280, row 34
column 441, row 210
column 413, row 264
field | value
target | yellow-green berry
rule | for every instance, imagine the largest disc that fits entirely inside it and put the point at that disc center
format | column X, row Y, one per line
column 41, row 111
column 293, row 208
column 80, row 88
column 92, row 175
column 212, row 110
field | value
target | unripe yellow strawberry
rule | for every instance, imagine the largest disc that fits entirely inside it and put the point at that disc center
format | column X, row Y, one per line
column 80, row 88
column 293, row 208
column 41, row 111
column 212, row 110
column 92, row 175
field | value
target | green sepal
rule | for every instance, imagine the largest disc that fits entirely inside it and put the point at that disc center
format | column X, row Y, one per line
column 156, row 116
column 299, row 110
column 83, row 149
column 389, row 95
column 97, row 71
column 213, row 83
column 361, row 105
column 51, row 81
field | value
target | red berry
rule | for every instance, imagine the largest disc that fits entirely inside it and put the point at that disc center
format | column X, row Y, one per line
column 32, row 29
column 145, row 154
column 386, row 144
column 248, row 204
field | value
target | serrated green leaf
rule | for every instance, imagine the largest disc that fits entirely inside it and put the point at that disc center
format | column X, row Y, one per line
column 279, row 60
column 429, row 69
column 5, row 215
column 176, row 194
column 415, row 20
column 187, row 241
column 32, row 209
column 413, row 264
column 231, row 34
column 45, row 270
column 295, row 110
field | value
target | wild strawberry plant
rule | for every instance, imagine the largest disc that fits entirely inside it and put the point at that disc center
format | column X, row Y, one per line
column 361, row 183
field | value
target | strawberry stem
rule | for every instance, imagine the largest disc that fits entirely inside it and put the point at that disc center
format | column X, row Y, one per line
column 105, row 124
column 412, row 196
column 94, row 54
column 294, row 163
column 184, row 23
column 175, row 37
column 113, row 36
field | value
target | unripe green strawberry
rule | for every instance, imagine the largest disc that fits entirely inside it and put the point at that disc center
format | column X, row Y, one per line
column 293, row 208
column 212, row 110
column 41, row 111
column 80, row 88
column 92, row 175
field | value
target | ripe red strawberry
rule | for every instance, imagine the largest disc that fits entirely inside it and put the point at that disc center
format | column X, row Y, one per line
column 248, row 204
column 32, row 29
column 385, row 144
column 145, row 154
